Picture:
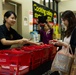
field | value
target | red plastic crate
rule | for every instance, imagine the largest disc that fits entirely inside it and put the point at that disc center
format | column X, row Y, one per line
column 40, row 54
column 44, row 53
column 13, row 70
column 14, row 56
column 35, row 65
column 35, row 54
column 53, row 51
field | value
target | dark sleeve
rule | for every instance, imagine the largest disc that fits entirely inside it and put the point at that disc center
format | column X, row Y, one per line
column 73, row 40
column 16, row 35
column 1, row 33
column 51, row 31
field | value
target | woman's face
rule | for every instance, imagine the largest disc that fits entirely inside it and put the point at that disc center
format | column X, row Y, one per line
column 11, row 20
column 46, row 27
column 65, row 22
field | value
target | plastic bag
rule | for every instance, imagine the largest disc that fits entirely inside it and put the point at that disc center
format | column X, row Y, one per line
column 62, row 61
column 73, row 68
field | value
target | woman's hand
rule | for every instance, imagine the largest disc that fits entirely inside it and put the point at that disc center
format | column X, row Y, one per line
column 58, row 43
column 53, row 42
column 40, row 43
column 22, row 41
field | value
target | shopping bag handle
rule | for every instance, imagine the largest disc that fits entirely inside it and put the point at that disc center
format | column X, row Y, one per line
column 70, row 49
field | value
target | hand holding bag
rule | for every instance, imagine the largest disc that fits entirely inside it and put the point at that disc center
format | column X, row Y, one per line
column 63, row 61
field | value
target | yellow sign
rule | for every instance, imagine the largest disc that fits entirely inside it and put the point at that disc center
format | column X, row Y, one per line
column 39, row 10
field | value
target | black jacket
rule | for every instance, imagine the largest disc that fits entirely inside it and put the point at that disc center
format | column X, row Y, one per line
column 73, row 40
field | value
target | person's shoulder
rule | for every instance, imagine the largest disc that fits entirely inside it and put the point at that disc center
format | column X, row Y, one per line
column 1, row 26
column 13, row 30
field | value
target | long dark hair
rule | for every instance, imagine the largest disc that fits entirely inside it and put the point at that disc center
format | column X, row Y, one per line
column 8, row 14
column 70, row 17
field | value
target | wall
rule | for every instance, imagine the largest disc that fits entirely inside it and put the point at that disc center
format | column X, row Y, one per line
column 26, row 7
column 1, row 12
column 67, row 5
column 38, row 1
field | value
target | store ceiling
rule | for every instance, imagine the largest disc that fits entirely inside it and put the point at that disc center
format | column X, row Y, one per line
column 61, row 0
column 64, row 0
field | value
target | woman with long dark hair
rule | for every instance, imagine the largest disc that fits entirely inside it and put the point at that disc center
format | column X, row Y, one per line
column 69, row 20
